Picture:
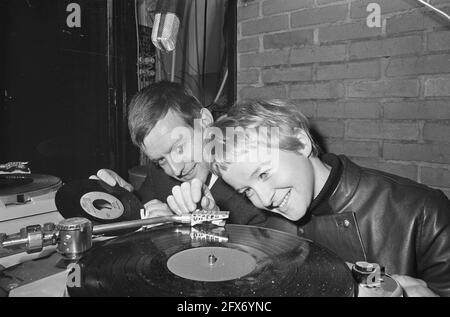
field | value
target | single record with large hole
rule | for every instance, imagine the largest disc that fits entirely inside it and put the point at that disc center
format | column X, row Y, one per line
column 97, row 201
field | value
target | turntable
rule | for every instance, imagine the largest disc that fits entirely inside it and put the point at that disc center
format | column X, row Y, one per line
column 25, row 196
column 25, row 199
column 188, row 256
column 204, row 260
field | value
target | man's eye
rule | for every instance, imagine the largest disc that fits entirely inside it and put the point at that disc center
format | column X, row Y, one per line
column 263, row 176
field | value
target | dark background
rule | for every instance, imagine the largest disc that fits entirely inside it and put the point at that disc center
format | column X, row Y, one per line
column 64, row 90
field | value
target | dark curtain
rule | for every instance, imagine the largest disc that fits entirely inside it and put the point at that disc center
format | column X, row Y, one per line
column 202, row 52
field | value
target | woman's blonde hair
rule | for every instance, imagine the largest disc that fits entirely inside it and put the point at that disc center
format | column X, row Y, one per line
column 253, row 115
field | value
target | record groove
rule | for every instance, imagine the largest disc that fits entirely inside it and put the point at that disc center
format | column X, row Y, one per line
column 28, row 185
column 286, row 265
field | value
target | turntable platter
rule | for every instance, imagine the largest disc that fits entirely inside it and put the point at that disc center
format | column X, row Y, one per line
column 26, row 186
column 237, row 261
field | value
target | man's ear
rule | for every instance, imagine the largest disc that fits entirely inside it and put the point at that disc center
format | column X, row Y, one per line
column 206, row 117
column 306, row 141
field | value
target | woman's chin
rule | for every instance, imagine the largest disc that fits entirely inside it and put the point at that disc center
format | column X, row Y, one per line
column 293, row 215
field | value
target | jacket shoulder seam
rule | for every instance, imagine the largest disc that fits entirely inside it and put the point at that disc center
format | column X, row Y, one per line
column 394, row 179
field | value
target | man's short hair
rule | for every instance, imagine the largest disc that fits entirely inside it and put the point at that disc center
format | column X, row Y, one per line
column 251, row 116
column 152, row 103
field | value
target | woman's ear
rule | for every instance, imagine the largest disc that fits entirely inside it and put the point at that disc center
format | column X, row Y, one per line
column 206, row 117
column 304, row 139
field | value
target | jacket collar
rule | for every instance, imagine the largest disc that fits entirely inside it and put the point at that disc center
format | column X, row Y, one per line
column 347, row 185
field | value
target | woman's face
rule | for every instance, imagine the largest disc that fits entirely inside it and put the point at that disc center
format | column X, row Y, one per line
column 284, row 186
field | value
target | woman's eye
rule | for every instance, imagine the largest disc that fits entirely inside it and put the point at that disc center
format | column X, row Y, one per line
column 263, row 175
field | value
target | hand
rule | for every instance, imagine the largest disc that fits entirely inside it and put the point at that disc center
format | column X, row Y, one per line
column 155, row 208
column 414, row 287
column 185, row 197
column 112, row 178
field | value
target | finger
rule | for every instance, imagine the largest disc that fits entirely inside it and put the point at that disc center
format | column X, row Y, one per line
column 124, row 184
column 128, row 187
column 207, row 192
column 159, row 213
column 93, row 177
column 105, row 176
column 143, row 213
column 153, row 202
column 205, row 203
column 158, row 206
column 173, row 205
column 208, row 201
column 196, row 190
column 187, row 196
column 407, row 281
column 176, row 192
column 209, row 204
column 418, row 291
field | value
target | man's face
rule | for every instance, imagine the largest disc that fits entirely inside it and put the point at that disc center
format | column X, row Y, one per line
column 285, row 187
column 174, row 151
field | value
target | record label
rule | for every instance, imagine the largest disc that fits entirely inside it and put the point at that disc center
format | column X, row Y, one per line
column 102, row 205
column 211, row 264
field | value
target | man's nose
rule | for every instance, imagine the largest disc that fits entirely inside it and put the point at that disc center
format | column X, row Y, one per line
column 265, row 195
column 176, row 167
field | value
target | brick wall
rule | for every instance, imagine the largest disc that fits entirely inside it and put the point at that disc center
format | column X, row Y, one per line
column 380, row 95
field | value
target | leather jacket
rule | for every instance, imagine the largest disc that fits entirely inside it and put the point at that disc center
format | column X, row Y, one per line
column 387, row 219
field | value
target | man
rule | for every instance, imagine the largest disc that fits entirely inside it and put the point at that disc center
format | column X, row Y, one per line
column 359, row 213
column 166, row 122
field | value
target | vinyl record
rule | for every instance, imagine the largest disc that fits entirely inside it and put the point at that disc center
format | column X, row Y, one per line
column 18, row 188
column 233, row 261
column 97, row 201
column 9, row 181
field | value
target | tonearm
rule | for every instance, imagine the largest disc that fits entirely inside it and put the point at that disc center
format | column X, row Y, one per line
column 73, row 236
